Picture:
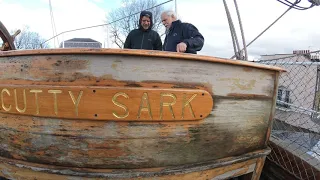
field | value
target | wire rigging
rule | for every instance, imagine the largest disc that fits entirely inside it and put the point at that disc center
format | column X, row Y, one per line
column 235, row 41
column 88, row 27
column 242, row 31
column 237, row 51
column 297, row 1
column 54, row 30
column 296, row 6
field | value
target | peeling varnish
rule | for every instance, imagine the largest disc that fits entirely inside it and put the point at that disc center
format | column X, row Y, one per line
column 240, row 83
column 231, row 166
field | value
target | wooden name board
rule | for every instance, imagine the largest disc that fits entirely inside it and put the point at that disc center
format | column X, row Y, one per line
column 106, row 103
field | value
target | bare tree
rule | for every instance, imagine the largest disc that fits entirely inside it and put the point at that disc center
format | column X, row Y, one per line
column 29, row 40
column 120, row 29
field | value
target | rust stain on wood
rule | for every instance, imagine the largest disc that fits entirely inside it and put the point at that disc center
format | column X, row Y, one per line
column 41, row 66
column 175, row 84
column 248, row 96
column 144, row 144
column 122, row 144
column 247, row 69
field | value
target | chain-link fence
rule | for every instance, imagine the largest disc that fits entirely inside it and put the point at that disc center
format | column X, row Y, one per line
column 295, row 138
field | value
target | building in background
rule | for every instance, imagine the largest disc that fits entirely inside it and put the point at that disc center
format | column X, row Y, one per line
column 298, row 92
column 296, row 124
column 80, row 43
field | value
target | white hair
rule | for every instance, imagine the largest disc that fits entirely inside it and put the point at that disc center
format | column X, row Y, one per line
column 170, row 13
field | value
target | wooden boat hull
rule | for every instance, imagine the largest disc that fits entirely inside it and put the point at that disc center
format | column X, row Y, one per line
column 219, row 169
column 241, row 105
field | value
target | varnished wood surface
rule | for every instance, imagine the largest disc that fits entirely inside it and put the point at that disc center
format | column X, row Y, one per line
column 258, row 169
column 131, row 71
column 238, row 123
column 133, row 52
column 273, row 109
column 221, row 169
column 106, row 144
column 106, row 103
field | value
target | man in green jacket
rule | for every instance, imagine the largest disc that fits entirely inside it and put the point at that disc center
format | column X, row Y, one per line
column 144, row 37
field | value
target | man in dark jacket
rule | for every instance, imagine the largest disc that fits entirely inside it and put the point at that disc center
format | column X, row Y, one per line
column 180, row 37
column 144, row 37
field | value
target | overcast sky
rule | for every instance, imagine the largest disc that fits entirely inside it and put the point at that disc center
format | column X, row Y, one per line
column 296, row 30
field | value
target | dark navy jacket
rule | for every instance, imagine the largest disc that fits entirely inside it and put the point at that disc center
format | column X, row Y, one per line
column 183, row 32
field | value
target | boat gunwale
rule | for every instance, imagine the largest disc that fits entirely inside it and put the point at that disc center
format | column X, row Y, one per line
column 134, row 52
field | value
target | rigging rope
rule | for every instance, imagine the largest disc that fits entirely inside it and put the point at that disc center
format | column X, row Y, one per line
column 242, row 32
column 54, row 30
column 234, row 37
column 291, row 5
column 238, row 53
column 296, row 6
column 268, row 27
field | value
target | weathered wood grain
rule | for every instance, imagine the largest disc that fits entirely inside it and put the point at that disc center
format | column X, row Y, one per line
column 258, row 169
column 220, row 169
column 230, row 171
column 137, row 52
column 97, row 70
column 136, row 144
column 273, row 105
column 243, row 97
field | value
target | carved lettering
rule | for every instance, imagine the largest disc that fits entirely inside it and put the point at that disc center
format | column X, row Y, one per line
column 115, row 102
column 76, row 102
column 24, row 101
column 144, row 100
column 167, row 104
column 106, row 103
column 2, row 101
column 187, row 103
column 55, row 103
column 36, row 91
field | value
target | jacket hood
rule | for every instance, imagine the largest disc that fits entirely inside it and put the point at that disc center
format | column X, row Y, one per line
column 148, row 14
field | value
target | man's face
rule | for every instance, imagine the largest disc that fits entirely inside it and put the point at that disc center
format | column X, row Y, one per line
column 166, row 20
column 145, row 22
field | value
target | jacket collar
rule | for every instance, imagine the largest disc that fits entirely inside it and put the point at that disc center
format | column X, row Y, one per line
column 174, row 24
column 144, row 30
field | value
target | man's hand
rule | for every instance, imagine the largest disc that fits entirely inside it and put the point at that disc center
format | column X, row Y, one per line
column 181, row 47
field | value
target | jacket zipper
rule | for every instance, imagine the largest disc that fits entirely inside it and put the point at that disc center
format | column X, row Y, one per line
column 165, row 47
column 142, row 40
